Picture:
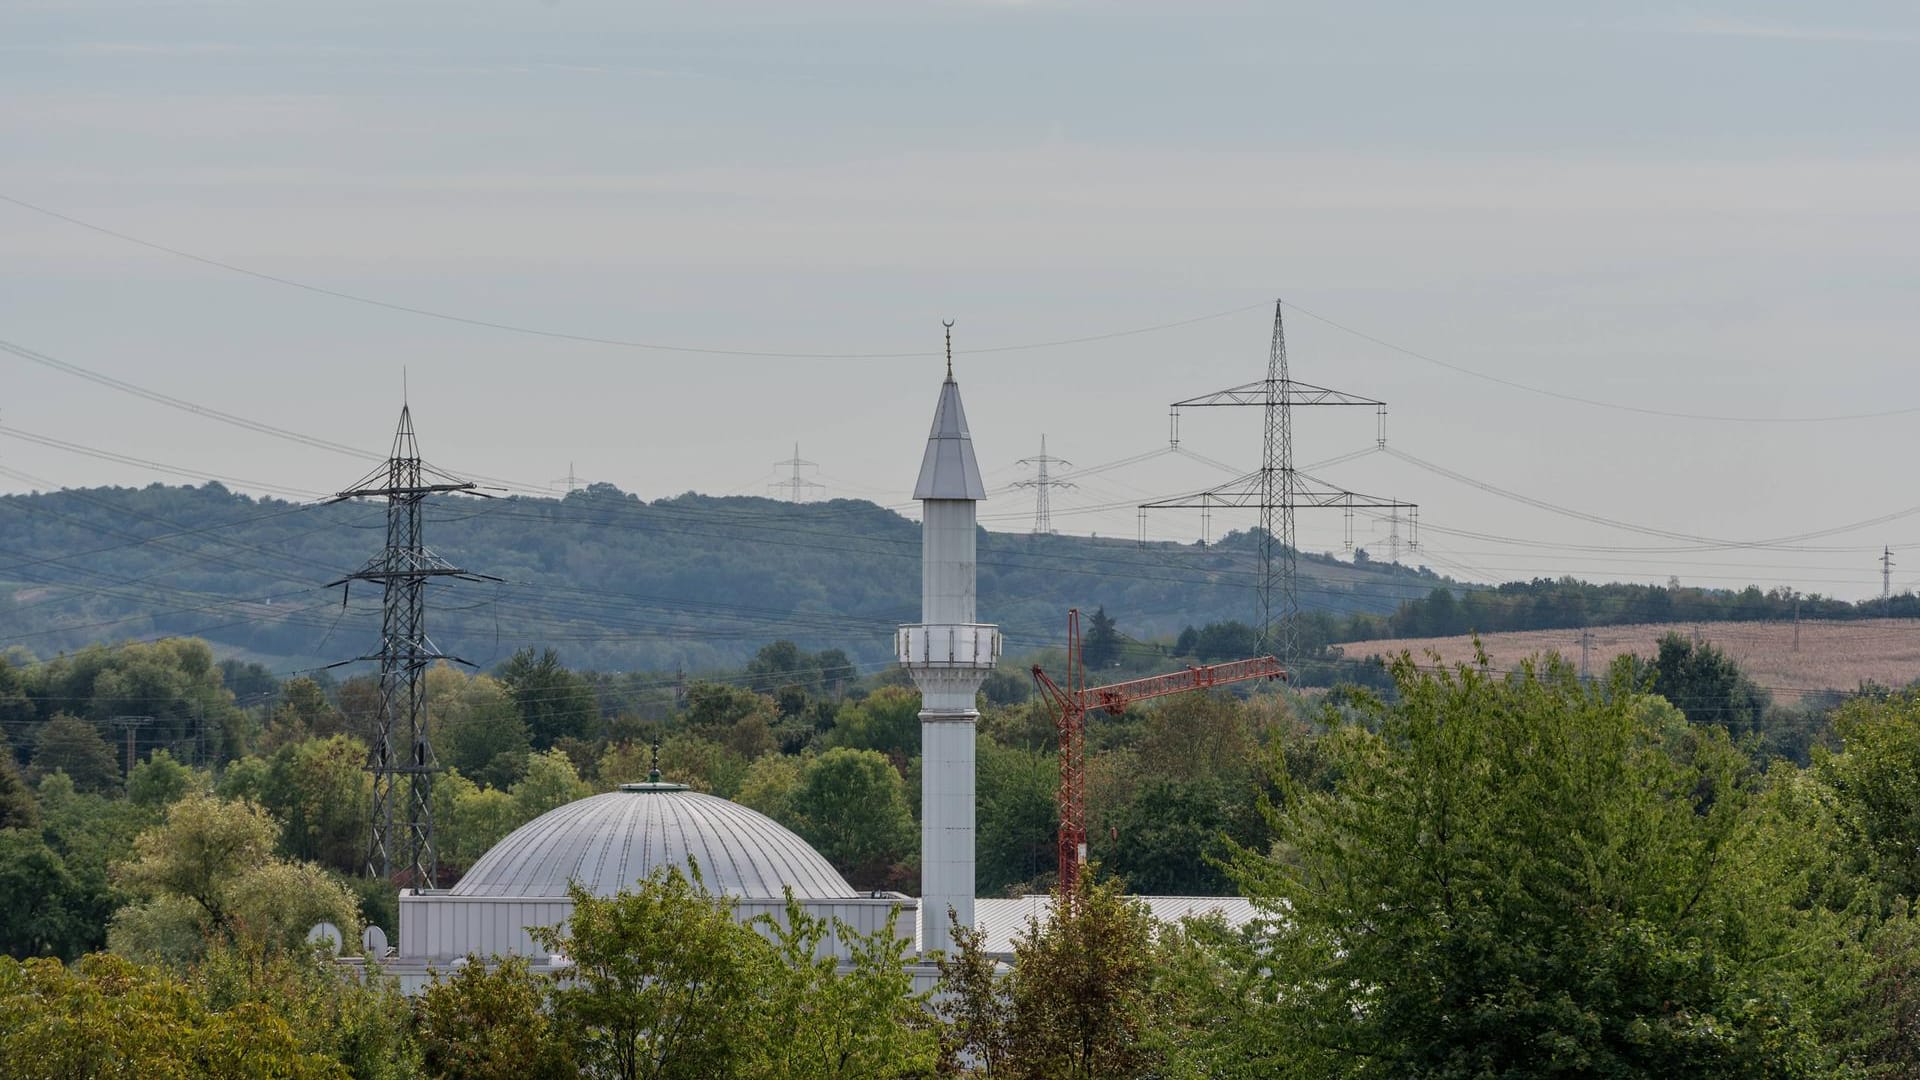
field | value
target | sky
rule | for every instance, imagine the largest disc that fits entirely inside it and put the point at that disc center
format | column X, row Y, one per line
column 1624, row 264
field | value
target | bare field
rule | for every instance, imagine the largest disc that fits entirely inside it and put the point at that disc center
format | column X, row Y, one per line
column 1831, row 656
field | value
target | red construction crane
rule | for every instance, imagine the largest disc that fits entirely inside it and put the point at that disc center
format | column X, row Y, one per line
column 1076, row 699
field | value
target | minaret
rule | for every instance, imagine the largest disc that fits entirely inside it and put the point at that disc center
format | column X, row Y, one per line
column 949, row 655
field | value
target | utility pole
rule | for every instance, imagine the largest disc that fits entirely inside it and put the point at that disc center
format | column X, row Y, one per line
column 131, row 724
column 1042, row 484
column 796, row 485
column 1796, row 620
column 1886, row 577
column 1586, row 654
column 1277, row 489
column 402, row 759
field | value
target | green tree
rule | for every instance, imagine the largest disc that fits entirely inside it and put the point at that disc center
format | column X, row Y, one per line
column 1019, row 816
column 550, row 782
column 1083, row 999
column 70, row 745
column 41, row 909
column 887, row 720
column 488, row 1021
column 663, row 982
column 769, row 785
column 554, row 703
column 160, row 780
column 106, row 1017
column 1102, row 646
column 320, row 789
column 208, row 873
column 1707, row 685
column 852, row 808
column 1524, row 876
column 477, row 727
column 740, row 720
column 1876, row 781
column 17, row 807
column 865, row 1021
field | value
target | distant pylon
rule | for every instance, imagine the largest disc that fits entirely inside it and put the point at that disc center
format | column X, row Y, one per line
column 1277, row 489
column 1886, row 575
column 572, row 481
column 401, row 747
column 796, row 486
column 1042, row 485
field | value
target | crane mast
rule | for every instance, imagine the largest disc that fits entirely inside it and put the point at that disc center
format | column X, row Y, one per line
column 1073, row 701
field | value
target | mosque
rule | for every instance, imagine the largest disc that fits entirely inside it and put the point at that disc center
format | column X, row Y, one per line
column 610, row 841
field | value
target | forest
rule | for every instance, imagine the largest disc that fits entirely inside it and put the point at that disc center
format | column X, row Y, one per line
column 1467, row 873
column 692, row 582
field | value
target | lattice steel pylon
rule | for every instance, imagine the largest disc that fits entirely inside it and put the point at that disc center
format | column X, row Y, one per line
column 796, row 487
column 401, row 747
column 1043, row 486
column 1277, row 489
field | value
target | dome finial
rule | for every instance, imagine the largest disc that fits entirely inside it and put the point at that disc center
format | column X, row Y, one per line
column 948, row 323
column 653, row 774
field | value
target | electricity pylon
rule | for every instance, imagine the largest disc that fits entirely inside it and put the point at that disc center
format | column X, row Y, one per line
column 1277, row 489
column 1042, row 485
column 402, row 759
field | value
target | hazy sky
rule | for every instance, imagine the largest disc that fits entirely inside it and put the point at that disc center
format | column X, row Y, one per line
column 1700, row 210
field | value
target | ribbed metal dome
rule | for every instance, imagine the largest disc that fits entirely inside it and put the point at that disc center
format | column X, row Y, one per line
column 609, row 842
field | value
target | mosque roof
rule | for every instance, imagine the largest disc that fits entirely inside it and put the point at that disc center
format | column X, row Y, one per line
column 610, row 842
column 949, row 471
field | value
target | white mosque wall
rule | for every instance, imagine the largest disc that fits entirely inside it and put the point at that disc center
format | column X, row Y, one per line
column 441, row 927
column 947, row 540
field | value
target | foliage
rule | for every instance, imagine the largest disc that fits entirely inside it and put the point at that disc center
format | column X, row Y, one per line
column 887, row 720
column 1101, row 647
column 17, row 807
column 770, row 784
column 1083, row 998
column 70, row 745
column 40, row 903
column 1018, row 816
column 478, row 726
column 851, row 806
column 320, row 790
column 488, row 1021
column 865, row 1022
column 550, row 782
column 208, row 873
column 554, row 703
column 662, row 981
column 1706, row 685
column 160, row 781
column 1522, row 876
column 107, row 1017
column 363, row 1023
column 1876, row 784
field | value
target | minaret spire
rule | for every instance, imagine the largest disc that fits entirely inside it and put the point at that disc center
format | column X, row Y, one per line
column 949, row 654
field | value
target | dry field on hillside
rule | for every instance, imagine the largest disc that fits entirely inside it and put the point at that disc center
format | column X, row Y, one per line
column 1832, row 655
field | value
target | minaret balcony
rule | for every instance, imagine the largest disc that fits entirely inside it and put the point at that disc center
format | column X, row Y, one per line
column 973, row 646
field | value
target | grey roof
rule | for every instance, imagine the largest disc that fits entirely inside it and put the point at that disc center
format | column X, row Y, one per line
column 948, row 470
column 609, row 842
column 1000, row 921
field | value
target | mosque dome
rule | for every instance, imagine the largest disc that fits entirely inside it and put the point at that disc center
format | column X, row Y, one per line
column 609, row 842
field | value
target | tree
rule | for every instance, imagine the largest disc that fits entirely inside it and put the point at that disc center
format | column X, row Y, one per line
column 550, row 782
column 865, row 1021
column 1019, row 816
column 160, row 780
column 1102, row 647
column 17, row 808
column 208, row 873
column 40, row 909
column 1523, row 876
column 107, row 1017
column 70, row 745
column 852, row 808
column 554, row 703
column 1707, row 685
column 488, row 1022
column 1876, row 780
column 740, row 720
column 320, row 790
column 769, row 785
column 476, row 726
column 888, row 720
column 1083, row 999
column 663, row 981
